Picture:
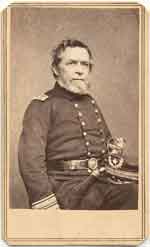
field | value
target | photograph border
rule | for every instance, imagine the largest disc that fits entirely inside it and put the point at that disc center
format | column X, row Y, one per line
column 143, row 97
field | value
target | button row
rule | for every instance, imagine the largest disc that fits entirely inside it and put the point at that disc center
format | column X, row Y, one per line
column 100, row 132
column 87, row 143
column 98, row 120
column 80, row 114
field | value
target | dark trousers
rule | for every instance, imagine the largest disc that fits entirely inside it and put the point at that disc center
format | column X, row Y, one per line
column 88, row 193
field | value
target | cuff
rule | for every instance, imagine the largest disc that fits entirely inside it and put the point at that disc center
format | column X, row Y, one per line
column 47, row 202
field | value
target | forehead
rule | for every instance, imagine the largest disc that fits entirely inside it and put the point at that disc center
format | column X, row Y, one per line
column 75, row 53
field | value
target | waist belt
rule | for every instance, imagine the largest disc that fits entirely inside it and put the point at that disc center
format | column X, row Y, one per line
column 86, row 164
column 127, row 172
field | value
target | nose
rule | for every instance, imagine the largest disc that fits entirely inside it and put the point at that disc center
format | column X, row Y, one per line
column 79, row 72
column 79, row 69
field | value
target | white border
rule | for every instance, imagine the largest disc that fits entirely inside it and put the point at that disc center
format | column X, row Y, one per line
column 146, row 3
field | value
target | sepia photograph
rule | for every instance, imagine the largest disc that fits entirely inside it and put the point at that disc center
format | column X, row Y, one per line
column 76, row 120
column 68, row 139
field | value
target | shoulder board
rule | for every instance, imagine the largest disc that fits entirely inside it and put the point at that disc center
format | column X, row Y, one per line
column 42, row 97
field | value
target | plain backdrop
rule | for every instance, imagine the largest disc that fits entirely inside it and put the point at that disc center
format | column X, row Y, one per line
column 113, row 37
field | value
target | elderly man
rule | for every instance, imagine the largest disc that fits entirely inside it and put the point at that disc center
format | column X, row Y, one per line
column 63, row 151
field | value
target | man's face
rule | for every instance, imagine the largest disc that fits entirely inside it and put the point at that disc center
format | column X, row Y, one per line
column 73, row 69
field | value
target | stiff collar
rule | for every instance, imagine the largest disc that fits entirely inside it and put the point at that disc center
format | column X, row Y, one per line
column 59, row 91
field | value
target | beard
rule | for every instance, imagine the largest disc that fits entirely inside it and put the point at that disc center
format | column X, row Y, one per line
column 77, row 86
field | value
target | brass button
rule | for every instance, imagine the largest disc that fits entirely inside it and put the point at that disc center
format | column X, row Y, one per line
column 83, row 123
column 99, row 120
column 76, row 105
column 93, row 101
column 92, row 163
column 80, row 114
column 89, row 153
column 96, row 110
column 84, row 133
column 103, row 151
column 87, row 143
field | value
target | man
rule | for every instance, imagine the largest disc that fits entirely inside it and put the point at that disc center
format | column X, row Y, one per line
column 63, row 149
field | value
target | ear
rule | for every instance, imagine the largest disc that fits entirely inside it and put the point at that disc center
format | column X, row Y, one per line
column 55, row 70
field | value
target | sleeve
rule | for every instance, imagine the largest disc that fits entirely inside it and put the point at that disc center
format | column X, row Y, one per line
column 32, row 155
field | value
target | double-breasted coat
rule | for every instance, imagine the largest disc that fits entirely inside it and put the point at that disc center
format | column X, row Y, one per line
column 63, row 126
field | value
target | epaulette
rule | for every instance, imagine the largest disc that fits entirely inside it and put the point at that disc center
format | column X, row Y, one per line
column 42, row 97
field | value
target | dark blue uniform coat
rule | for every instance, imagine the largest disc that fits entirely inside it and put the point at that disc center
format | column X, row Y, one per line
column 61, row 125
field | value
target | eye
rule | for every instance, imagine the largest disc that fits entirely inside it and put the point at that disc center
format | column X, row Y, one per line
column 86, row 64
column 71, row 62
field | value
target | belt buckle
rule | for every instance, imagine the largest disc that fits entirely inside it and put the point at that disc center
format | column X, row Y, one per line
column 92, row 163
column 72, row 165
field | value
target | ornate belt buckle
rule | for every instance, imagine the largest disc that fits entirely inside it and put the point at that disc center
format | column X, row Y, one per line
column 72, row 165
column 92, row 163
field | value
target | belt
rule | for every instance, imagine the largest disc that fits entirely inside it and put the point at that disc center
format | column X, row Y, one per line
column 83, row 167
column 86, row 164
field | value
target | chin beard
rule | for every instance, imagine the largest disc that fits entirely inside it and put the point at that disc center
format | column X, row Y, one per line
column 79, row 87
column 76, row 86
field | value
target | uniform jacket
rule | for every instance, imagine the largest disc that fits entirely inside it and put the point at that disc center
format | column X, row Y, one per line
column 59, row 125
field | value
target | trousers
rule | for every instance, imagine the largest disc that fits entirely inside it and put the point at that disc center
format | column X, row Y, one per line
column 88, row 193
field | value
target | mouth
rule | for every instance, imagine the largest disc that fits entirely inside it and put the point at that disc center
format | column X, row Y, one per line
column 77, row 79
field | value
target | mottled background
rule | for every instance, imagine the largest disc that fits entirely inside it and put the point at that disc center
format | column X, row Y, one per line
column 112, row 35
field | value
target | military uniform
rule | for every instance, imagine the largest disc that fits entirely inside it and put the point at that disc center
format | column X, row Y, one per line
column 58, row 128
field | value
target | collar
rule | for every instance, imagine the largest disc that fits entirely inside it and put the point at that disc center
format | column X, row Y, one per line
column 64, row 93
